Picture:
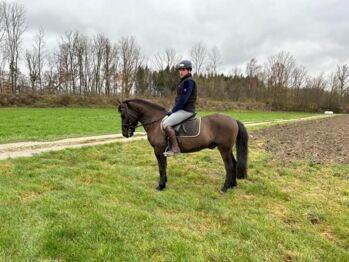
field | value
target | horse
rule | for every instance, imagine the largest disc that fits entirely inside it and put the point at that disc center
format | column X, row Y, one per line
column 217, row 130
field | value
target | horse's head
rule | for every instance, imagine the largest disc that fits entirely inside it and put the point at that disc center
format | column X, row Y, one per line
column 129, row 119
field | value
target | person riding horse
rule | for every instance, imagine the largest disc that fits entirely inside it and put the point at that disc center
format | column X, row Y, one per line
column 184, row 106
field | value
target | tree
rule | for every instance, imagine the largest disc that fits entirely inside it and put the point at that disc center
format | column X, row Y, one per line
column 142, row 81
column 279, row 68
column 50, row 76
column 98, row 48
column 66, row 62
column 253, row 72
column 342, row 75
column 214, row 60
column 130, row 60
column 13, row 16
column 32, row 64
column 298, row 80
column 35, row 61
column 80, row 47
column 167, row 58
column 2, row 53
column 198, row 55
column 39, row 46
column 2, row 25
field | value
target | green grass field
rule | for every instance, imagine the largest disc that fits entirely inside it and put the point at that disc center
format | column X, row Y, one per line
column 22, row 124
column 100, row 204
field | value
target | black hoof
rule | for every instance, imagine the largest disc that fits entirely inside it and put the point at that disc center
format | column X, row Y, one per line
column 160, row 187
column 223, row 190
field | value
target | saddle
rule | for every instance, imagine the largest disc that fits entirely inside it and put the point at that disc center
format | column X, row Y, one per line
column 188, row 128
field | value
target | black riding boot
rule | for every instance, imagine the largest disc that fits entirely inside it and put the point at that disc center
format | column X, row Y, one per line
column 174, row 150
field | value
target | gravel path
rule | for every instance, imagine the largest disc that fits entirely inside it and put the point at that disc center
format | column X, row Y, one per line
column 27, row 149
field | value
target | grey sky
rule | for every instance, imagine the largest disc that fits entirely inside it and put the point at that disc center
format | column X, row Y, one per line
column 315, row 32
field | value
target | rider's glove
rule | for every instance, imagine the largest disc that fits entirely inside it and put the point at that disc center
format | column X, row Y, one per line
column 169, row 112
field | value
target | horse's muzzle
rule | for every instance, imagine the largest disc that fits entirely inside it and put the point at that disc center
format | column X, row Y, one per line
column 127, row 133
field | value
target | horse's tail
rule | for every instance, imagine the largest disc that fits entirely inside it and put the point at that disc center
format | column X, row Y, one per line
column 242, row 151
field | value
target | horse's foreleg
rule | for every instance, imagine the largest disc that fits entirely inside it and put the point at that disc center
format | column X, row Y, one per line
column 162, row 164
column 230, row 167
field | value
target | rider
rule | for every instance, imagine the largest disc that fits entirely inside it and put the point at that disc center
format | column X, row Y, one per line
column 184, row 107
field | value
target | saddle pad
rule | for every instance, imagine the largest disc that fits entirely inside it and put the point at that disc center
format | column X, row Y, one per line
column 189, row 128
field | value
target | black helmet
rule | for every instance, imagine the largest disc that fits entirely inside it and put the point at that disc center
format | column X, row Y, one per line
column 185, row 64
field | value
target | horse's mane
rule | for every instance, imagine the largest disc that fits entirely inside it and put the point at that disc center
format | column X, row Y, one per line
column 146, row 103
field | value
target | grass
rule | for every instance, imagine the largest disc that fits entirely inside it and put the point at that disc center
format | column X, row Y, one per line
column 23, row 124
column 257, row 116
column 99, row 203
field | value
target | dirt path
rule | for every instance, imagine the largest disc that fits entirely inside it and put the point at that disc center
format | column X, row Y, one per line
column 322, row 140
column 27, row 149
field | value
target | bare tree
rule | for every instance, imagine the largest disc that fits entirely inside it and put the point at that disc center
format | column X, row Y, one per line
column 32, row 64
column 214, row 60
column 342, row 75
column 80, row 48
column 39, row 46
column 98, row 52
column 50, row 75
column 318, row 82
column 198, row 55
column 2, row 25
column 279, row 68
column 253, row 73
column 88, row 65
column 236, row 72
column 35, row 61
column 130, row 60
column 13, row 15
column 109, row 66
column 2, row 52
column 65, row 66
column 298, row 79
column 253, row 69
column 167, row 58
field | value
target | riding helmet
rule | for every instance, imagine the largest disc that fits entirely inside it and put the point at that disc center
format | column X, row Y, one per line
column 185, row 64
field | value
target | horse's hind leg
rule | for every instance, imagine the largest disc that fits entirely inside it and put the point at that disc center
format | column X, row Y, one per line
column 234, row 167
column 230, row 167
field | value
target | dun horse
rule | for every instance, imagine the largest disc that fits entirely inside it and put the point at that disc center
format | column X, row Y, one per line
column 217, row 130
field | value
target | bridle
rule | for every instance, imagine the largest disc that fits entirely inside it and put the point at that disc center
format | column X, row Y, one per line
column 129, row 125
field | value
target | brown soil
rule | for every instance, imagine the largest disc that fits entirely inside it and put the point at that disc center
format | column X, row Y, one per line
column 322, row 141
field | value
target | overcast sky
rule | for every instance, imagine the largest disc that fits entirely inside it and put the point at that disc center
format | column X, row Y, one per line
column 315, row 32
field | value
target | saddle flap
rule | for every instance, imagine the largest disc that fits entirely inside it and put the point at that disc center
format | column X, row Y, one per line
column 189, row 128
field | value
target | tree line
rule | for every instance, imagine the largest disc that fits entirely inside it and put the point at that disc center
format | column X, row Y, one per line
column 85, row 65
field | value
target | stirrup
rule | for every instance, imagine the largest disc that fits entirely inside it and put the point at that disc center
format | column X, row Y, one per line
column 170, row 153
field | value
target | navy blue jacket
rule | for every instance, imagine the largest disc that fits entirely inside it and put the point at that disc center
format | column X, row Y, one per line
column 186, row 95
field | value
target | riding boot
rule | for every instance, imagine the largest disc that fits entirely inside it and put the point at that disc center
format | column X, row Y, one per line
column 174, row 150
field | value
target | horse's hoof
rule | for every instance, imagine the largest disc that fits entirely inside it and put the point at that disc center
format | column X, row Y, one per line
column 223, row 190
column 160, row 188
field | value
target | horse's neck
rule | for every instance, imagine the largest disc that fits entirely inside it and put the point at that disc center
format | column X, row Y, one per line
column 149, row 115
column 151, row 120
column 154, row 116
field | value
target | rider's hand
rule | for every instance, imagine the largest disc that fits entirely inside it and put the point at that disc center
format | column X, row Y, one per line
column 169, row 112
